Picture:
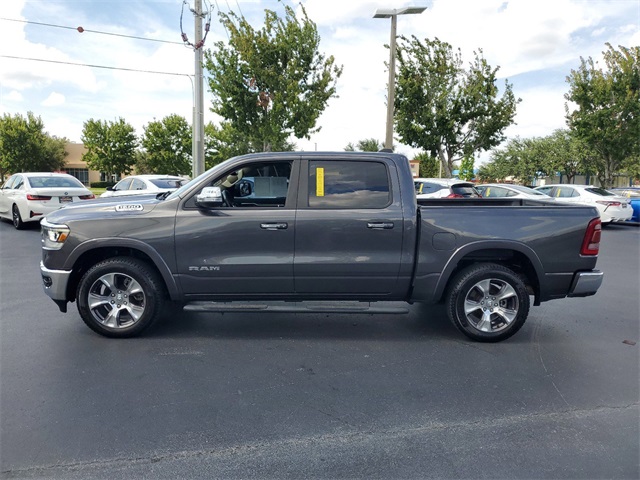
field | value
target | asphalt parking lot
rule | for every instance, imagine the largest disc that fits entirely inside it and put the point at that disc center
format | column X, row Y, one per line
column 321, row 396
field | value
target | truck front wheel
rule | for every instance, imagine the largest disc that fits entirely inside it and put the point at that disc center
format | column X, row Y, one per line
column 120, row 297
column 487, row 302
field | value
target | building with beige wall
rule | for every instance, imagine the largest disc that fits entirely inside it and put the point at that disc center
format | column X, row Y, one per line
column 74, row 165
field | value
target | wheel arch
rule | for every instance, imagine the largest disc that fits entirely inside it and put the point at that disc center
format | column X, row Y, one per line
column 93, row 251
column 516, row 256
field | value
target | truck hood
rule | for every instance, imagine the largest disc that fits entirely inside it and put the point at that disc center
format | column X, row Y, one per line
column 109, row 207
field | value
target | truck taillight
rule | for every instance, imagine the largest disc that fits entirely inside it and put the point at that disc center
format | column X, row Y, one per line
column 591, row 241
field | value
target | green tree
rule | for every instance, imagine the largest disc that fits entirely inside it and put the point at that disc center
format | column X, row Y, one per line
column 26, row 147
column 444, row 109
column 607, row 109
column 271, row 83
column 142, row 162
column 631, row 168
column 429, row 166
column 517, row 160
column 168, row 146
column 466, row 168
column 366, row 145
column 562, row 152
column 224, row 142
column 111, row 146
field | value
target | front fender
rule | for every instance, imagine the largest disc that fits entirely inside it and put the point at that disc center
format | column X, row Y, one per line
column 85, row 248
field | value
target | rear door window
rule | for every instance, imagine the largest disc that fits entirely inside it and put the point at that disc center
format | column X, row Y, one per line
column 123, row 185
column 566, row 192
column 137, row 184
column 348, row 184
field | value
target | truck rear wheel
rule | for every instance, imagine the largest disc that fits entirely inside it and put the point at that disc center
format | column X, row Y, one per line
column 487, row 302
column 120, row 297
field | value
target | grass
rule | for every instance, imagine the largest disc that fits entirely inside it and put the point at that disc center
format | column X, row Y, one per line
column 98, row 191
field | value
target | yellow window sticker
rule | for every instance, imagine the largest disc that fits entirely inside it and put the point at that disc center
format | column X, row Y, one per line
column 488, row 194
column 319, row 182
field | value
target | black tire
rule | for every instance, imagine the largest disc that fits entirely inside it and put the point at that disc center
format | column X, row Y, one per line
column 16, row 217
column 487, row 302
column 120, row 297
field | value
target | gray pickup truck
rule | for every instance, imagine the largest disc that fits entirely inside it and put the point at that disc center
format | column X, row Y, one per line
column 330, row 232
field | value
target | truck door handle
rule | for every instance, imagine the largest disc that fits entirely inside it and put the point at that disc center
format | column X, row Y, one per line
column 380, row 225
column 274, row 226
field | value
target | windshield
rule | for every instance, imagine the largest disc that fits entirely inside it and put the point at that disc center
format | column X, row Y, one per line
column 183, row 188
column 55, row 182
column 600, row 191
column 464, row 189
column 168, row 182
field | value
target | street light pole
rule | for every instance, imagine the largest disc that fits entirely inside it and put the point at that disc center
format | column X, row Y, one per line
column 391, row 88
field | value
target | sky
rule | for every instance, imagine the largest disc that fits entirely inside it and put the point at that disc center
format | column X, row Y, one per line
column 535, row 44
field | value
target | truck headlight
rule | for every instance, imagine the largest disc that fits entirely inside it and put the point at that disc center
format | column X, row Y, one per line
column 53, row 236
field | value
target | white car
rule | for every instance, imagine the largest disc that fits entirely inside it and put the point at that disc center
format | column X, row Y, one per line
column 507, row 190
column 612, row 207
column 28, row 197
column 444, row 188
column 145, row 185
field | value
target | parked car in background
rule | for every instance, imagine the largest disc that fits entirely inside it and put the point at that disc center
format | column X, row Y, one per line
column 502, row 190
column 444, row 188
column 612, row 207
column 27, row 197
column 633, row 194
column 145, row 185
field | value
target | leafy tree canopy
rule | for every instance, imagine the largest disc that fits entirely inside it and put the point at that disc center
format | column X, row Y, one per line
column 429, row 166
column 271, row 83
column 466, row 168
column 26, row 147
column 444, row 109
column 111, row 146
column 168, row 146
column 366, row 145
column 607, row 109
column 516, row 160
column 524, row 160
column 224, row 142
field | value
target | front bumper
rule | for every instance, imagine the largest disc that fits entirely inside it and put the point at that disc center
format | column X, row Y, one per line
column 585, row 284
column 55, row 283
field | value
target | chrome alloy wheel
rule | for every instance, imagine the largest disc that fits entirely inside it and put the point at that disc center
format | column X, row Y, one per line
column 491, row 305
column 116, row 300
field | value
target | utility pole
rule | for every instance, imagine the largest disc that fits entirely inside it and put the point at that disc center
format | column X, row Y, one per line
column 198, row 114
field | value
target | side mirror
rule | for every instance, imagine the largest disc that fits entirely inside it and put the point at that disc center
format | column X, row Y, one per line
column 209, row 197
column 110, row 189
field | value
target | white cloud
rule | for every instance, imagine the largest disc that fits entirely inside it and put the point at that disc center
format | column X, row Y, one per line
column 54, row 100
column 13, row 96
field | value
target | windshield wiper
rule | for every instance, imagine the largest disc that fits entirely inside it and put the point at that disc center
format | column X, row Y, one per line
column 163, row 195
